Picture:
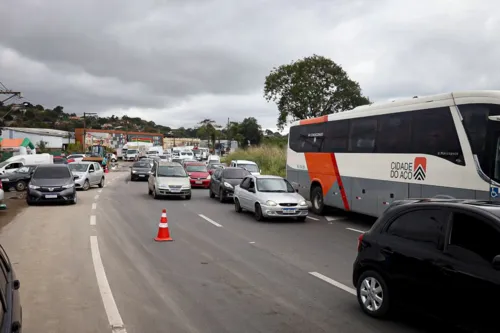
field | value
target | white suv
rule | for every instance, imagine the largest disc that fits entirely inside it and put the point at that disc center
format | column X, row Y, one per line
column 248, row 165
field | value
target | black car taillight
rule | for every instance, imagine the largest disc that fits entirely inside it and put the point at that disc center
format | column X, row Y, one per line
column 360, row 240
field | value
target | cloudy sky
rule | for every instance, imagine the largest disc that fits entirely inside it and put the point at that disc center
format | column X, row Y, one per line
column 177, row 62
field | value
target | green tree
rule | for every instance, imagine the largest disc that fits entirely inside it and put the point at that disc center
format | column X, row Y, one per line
column 311, row 87
column 208, row 130
column 251, row 131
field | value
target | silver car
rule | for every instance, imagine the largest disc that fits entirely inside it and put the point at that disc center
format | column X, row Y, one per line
column 269, row 197
column 89, row 174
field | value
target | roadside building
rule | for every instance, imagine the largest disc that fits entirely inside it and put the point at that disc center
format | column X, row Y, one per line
column 170, row 142
column 52, row 139
column 115, row 138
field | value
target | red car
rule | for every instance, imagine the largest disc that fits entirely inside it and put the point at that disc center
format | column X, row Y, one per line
column 198, row 174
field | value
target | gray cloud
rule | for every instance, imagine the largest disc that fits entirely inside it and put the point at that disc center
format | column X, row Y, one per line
column 177, row 62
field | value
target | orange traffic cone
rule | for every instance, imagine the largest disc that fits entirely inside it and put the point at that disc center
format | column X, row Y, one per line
column 163, row 233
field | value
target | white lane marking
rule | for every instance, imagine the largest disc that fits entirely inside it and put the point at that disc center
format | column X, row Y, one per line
column 331, row 218
column 92, row 220
column 114, row 318
column 96, row 197
column 251, row 242
column 99, row 191
column 313, row 218
column 356, row 230
column 209, row 220
column 334, row 283
column 94, row 206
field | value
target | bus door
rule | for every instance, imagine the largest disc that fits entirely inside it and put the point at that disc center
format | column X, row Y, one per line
column 493, row 149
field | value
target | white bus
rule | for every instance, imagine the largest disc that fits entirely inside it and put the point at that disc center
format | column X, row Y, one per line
column 362, row 160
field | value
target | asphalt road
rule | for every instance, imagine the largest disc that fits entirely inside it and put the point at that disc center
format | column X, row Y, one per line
column 95, row 267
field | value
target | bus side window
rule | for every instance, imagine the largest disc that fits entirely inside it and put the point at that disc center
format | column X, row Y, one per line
column 434, row 133
column 336, row 136
column 393, row 135
column 307, row 138
column 362, row 134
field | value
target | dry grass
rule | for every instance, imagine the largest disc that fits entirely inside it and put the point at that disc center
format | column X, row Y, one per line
column 271, row 159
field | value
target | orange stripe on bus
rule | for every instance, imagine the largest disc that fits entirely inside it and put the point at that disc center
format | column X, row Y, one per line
column 318, row 120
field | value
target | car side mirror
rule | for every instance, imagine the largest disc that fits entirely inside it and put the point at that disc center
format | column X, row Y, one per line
column 91, row 171
column 496, row 262
column 297, row 190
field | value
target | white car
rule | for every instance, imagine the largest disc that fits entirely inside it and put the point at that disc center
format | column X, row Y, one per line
column 252, row 167
column 269, row 197
column 168, row 179
column 75, row 157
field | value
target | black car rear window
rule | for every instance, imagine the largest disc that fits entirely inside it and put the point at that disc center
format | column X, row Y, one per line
column 142, row 164
column 235, row 173
column 51, row 173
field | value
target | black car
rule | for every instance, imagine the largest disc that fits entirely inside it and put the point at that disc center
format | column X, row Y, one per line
column 141, row 169
column 52, row 183
column 19, row 178
column 224, row 180
column 440, row 257
column 12, row 312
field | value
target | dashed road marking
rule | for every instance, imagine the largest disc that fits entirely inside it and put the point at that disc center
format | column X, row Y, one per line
column 313, row 218
column 94, row 206
column 209, row 220
column 92, row 220
column 334, row 283
column 331, row 218
column 251, row 242
column 356, row 230
column 96, row 197
column 114, row 318
column 99, row 191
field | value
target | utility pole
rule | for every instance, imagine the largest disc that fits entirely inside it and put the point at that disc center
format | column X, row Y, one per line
column 85, row 114
column 5, row 91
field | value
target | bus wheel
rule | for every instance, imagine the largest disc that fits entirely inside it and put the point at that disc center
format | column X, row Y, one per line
column 317, row 200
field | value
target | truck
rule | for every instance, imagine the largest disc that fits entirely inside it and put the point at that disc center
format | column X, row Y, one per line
column 97, row 153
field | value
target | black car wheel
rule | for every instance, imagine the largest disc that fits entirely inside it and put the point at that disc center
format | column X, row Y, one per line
column 373, row 294
column 222, row 198
column 258, row 213
column 86, row 185
column 237, row 206
column 20, row 186
column 101, row 184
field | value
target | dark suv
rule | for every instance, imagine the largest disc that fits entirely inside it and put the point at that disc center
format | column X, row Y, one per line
column 11, row 313
column 224, row 180
column 441, row 257
column 51, row 183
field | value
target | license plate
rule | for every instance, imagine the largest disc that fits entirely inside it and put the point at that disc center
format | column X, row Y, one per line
column 51, row 196
column 199, row 182
column 175, row 190
column 142, row 175
column 289, row 210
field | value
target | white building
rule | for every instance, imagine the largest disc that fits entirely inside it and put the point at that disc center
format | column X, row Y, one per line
column 54, row 139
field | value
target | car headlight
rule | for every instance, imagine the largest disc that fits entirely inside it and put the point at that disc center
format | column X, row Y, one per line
column 34, row 187
column 163, row 186
column 302, row 203
column 226, row 184
column 186, row 186
column 133, row 171
column 209, row 177
column 271, row 203
column 69, row 186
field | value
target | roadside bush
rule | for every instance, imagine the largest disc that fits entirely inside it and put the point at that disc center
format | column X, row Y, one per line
column 271, row 159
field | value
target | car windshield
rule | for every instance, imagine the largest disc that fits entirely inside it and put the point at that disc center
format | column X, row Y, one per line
column 249, row 167
column 196, row 168
column 142, row 164
column 163, row 157
column 78, row 167
column 51, row 173
column 59, row 160
column 274, row 185
column 131, row 151
column 171, row 171
column 235, row 173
